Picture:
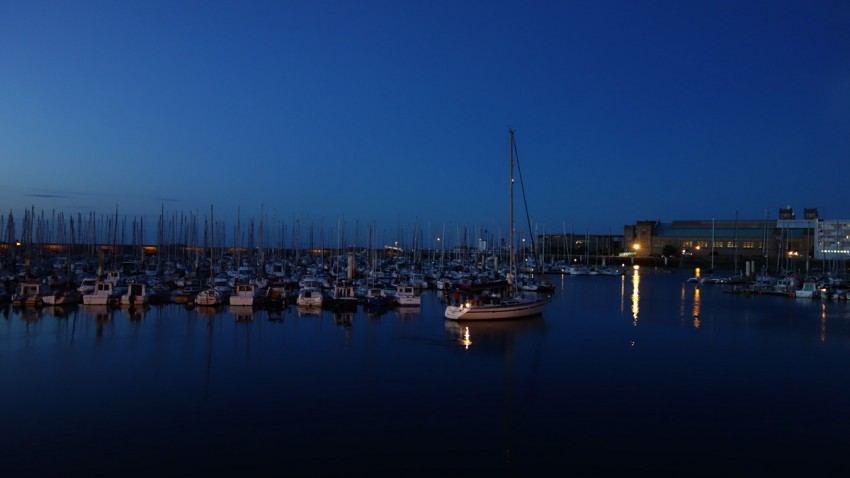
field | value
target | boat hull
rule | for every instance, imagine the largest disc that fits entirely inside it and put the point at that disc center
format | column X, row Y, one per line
column 241, row 301
column 510, row 309
column 134, row 300
column 69, row 297
column 208, row 297
column 96, row 299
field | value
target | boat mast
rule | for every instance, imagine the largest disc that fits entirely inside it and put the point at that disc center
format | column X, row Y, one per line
column 712, row 245
column 212, row 246
column 764, row 243
column 736, row 242
column 511, row 259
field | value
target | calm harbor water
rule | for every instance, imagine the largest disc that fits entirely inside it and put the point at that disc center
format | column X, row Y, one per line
column 640, row 373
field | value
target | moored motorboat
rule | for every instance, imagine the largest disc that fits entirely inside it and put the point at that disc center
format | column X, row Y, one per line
column 104, row 293
column 309, row 297
column 28, row 293
column 243, row 295
column 137, row 294
column 208, row 298
column 377, row 297
column 87, row 285
column 343, row 295
column 808, row 291
column 62, row 296
column 405, row 295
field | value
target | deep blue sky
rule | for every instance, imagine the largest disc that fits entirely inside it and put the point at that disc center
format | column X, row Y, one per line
column 392, row 112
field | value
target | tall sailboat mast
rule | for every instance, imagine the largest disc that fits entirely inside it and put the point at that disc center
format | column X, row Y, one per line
column 212, row 244
column 712, row 245
column 516, row 306
column 511, row 259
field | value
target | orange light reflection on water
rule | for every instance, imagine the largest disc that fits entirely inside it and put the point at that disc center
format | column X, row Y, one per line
column 635, row 296
column 695, row 310
column 622, row 293
column 465, row 338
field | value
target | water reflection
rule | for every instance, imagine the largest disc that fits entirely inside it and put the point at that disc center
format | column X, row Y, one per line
column 135, row 313
column 100, row 312
column 689, row 309
column 102, row 315
column 28, row 314
column 208, row 311
column 459, row 333
column 498, row 336
column 408, row 312
column 622, row 293
column 59, row 311
column 695, row 310
column 635, row 296
column 374, row 311
column 308, row 311
column 242, row 313
column 275, row 315
column 344, row 319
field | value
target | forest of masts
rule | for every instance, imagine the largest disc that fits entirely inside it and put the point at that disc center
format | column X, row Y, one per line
column 185, row 236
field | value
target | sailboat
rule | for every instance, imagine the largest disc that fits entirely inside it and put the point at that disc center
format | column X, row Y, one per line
column 511, row 304
column 211, row 296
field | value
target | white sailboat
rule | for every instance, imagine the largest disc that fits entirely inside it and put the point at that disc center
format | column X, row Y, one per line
column 512, row 304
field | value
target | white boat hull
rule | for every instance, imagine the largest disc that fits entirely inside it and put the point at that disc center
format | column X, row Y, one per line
column 509, row 309
column 409, row 301
column 135, row 300
column 92, row 299
column 309, row 297
column 244, row 295
column 241, row 300
column 208, row 297
column 62, row 298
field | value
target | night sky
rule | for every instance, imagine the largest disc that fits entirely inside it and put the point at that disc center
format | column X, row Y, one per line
column 397, row 113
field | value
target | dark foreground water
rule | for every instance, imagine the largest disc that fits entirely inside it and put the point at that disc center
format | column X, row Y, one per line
column 643, row 374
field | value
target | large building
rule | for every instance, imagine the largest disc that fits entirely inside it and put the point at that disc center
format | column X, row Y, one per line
column 832, row 238
column 783, row 243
